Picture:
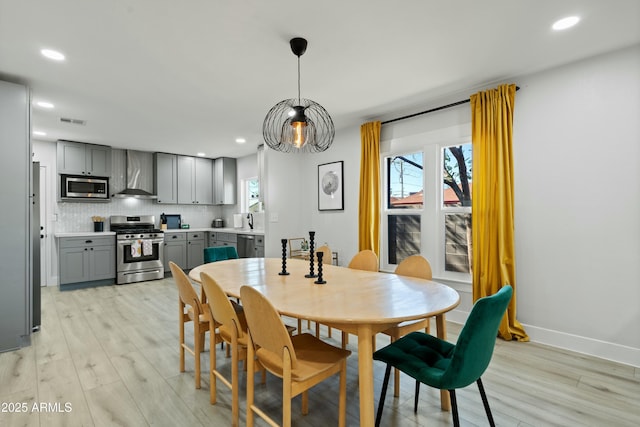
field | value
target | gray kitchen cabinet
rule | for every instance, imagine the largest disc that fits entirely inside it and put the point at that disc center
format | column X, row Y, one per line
column 175, row 249
column 195, row 180
column 224, row 181
column 195, row 249
column 217, row 238
column 87, row 259
column 165, row 178
column 77, row 158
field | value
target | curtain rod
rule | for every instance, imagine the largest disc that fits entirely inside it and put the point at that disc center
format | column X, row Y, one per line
column 442, row 107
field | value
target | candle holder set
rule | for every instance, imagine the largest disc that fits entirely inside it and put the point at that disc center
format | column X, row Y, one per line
column 284, row 272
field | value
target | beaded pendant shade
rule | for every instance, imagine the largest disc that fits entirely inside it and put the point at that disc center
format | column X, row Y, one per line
column 298, row 124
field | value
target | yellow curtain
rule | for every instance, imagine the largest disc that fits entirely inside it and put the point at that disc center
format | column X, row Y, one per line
column 369, row 204
column 492, row 200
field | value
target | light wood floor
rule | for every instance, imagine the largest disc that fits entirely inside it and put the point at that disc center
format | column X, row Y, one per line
column 110, row 354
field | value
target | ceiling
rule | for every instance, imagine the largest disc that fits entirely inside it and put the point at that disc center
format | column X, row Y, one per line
column 189, row 77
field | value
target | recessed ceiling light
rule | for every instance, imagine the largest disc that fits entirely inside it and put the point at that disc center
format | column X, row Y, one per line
column 241, row 140
column 52, row 54
column 44, row 104
column 201, row 154
column 564, row 23
column 39, row 133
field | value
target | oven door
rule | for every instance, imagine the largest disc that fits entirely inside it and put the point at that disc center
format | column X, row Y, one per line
column 145, row 260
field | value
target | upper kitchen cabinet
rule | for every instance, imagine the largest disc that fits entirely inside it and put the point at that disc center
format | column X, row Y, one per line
column 77, row 158
column 165, row 178
column 195, row 180
column 224, row 181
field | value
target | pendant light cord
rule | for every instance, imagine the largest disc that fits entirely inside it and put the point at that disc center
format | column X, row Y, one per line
column 298, row 80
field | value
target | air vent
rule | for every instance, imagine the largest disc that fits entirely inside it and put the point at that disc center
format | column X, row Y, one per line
column 73, row 121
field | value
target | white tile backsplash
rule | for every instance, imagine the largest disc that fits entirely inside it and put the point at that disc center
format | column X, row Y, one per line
column 76, row 216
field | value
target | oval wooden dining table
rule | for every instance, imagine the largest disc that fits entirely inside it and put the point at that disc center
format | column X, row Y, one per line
column 359, row 302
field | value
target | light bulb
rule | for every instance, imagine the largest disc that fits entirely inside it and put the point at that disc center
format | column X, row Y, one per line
column 298, row 133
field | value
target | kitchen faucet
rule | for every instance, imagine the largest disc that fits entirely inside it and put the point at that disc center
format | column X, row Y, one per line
column 250, row 222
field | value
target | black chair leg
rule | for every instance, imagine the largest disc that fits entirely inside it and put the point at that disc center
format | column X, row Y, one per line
column 385, row 383
column 485, row 402
column 415, row 399
column 454, row 408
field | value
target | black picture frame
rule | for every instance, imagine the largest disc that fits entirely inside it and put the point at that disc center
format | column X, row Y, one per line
column 330, row 186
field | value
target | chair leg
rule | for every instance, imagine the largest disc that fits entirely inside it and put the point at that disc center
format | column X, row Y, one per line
column 485, row 402
column 415, row 398
column 454, row 408
column 385, row 383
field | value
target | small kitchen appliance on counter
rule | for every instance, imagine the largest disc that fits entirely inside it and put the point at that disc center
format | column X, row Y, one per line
column 139, row 248
column 174, row 222
column 217, row 223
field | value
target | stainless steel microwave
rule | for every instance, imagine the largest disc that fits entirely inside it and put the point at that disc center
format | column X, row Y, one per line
column 78, row 187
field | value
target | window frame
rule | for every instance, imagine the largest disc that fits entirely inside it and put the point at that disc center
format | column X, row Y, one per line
column 432, row 212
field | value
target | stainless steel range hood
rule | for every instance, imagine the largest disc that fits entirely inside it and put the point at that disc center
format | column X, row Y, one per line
column 139, row 166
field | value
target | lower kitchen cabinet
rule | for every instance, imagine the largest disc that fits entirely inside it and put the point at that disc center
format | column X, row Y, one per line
column 175, row 249
column 195, row 249
column 87, row 259
column 217, row 238
column 185, row 248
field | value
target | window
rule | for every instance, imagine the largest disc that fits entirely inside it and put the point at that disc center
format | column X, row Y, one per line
column 427, row 208
column 251, row 193
column 405, row 184
column 456, row 207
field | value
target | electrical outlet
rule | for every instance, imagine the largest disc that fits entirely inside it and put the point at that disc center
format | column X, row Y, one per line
column 273, row 217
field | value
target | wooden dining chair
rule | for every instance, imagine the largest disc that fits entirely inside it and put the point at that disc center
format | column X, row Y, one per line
column 232, row 327
column 191, row 309
column 412, row 266
column 365, row 260
column 443, row 365
column 302, row 360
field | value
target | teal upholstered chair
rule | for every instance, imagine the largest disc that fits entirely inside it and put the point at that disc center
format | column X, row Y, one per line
column 446, row 366
column 220, row 253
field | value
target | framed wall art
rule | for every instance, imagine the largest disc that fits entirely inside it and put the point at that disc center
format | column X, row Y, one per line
column 330, row 187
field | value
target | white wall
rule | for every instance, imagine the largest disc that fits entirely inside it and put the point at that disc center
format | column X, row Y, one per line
column 577, row 201
column 292, row 195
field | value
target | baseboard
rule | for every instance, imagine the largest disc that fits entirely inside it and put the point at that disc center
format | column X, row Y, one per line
column 592, row 347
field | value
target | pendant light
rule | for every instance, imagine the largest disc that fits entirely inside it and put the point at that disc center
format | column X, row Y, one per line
column 298, row 124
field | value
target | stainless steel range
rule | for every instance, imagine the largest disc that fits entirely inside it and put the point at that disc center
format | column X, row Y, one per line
column 139, row 248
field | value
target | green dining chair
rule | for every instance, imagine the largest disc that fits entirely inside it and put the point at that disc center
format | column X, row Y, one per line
column 445, row 366
column 220, row 253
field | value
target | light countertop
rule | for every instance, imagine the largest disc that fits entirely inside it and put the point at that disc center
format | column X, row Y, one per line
column 181, row 230
column 86, row 234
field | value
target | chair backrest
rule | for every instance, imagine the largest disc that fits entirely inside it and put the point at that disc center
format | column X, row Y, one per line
column 327, row 256
column 265, row 325
column 365, row 260
column 415, row 266
column 476, row 341
column 186, row 292
column 220, row 307
column 220, row 253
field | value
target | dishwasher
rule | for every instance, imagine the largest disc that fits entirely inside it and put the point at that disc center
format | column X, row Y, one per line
column 246, row 246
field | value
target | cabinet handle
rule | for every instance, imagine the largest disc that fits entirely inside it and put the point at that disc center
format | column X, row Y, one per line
column 174, row 237
column 91, row 248
column 88, row 241
column 85, row 249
